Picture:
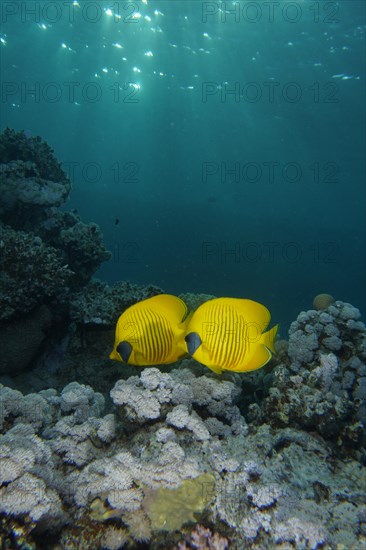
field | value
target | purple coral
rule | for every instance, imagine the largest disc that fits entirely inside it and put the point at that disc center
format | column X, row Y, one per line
column 203, row 538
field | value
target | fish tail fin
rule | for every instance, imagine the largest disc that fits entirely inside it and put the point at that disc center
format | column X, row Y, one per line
column 268, row 338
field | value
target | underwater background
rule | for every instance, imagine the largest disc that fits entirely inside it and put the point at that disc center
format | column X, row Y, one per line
column 218, row 151
column 207, row 150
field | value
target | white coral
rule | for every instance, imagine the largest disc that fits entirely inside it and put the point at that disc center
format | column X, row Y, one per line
column 107, row 428
column 82, row 400
column 29, row 495
column 180, row 417
column 329, row 368
column 140, row 403
column 128, row 500
column 114, row 538
column 13, row 462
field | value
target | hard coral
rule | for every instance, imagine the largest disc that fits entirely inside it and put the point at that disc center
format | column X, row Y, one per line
column 322, row 384
column 100, row 304
column 174, row 397
column 323, row 301
column 56, row 251
column 81, row 245
column 269, row 485
column 16, row 353
column 83, row 248
column 31, row 181
column 17, row 146
column 31, row 272
column 204, row 539
column 169, row 509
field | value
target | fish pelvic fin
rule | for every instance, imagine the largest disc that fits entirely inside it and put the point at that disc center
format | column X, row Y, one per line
column 115, row 356
column 216, row 370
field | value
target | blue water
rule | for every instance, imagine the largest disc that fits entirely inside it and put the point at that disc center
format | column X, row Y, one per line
column 219, row 146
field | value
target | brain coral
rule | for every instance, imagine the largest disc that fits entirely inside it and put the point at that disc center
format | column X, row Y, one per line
column 322, row 301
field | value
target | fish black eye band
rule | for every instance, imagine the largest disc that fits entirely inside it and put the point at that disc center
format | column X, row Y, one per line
column 124, row 349
column 193, row 342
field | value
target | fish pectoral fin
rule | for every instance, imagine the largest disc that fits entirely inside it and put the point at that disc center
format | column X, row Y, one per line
column 260, row 358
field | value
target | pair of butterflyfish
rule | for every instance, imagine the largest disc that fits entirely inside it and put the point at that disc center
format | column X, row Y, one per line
column 222, row 333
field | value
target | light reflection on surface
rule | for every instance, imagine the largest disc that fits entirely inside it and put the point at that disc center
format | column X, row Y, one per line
column 144, row 34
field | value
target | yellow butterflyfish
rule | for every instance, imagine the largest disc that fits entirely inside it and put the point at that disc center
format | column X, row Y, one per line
column 228, row 334
column 151, row 332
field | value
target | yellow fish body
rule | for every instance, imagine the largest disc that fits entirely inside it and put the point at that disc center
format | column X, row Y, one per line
column 151, row 332
column 228, row 334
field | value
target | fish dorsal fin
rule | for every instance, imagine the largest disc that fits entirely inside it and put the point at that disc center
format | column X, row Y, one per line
column 253, row 312
column 172, row 307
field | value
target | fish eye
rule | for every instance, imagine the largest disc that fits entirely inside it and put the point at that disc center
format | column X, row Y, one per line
column 124, row 349
column 193, row 342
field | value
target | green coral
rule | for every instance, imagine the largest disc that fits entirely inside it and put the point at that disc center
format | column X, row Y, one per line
column 169, row 509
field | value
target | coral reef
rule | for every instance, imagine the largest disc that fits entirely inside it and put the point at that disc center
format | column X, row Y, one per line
column 204, row 539
column 322, row 301
column 173, row 459
column 321, row 384
column 33, row 186
column 45, row 255
column 31, row 179
column 31, row 272
column 175, row 450
column 103, row 480
column 20, row 339
column 83, row 247
column 100, row 304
